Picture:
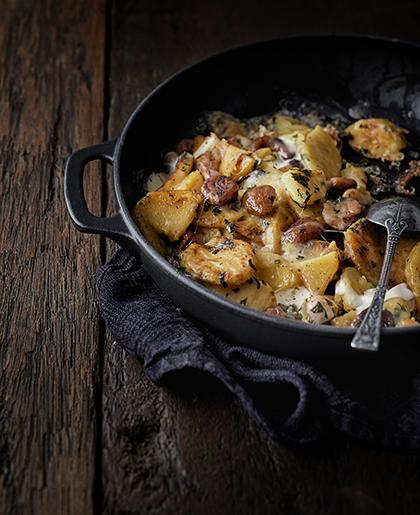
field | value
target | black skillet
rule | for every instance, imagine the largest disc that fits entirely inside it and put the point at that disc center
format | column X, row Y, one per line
column 368, row 76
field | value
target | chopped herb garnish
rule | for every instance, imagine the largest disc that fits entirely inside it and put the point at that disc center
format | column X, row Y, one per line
column 318, row 308
column 301, row 179
column 230, row 227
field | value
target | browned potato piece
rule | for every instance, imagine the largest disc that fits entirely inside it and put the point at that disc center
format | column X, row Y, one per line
column 287, row 124
column 412, row 270
column 205, row 234
column 251, row 227
column 345, row 320
column 400, row 309
column 377, row 138
column 253, row 294
column 182, row 169
column 168, row 212
column 274, row 227
column 399, row 263
column 363, row 247
column 219, row 216
column 304, row 187
column 321, row 153
column 148, row 232
column 314, row 211
column 221, row 261
column 236, row 162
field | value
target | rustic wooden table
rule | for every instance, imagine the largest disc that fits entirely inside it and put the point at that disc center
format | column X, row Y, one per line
column 82, row 430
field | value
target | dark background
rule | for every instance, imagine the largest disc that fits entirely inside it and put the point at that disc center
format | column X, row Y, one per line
column 82, row 430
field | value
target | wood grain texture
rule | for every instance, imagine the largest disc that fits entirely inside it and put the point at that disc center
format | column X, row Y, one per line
column 193, row 450
column 51, row 101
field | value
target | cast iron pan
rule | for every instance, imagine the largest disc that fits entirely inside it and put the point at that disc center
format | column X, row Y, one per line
column 369, row 76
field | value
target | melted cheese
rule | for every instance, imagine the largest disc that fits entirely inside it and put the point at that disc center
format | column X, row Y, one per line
column 293, row 296
column 360, row 302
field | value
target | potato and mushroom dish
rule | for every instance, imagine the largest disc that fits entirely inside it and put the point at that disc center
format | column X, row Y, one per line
column 269, row 213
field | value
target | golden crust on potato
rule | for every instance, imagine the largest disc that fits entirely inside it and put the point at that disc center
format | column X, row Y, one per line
column 412, row 270
column 221, row 261
column 321, row 153
column 169, row 212
column 363, row 247
column 377, row 138
column 304, row 187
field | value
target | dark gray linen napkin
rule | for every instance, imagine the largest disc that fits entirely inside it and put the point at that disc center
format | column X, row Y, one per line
column 293, row 402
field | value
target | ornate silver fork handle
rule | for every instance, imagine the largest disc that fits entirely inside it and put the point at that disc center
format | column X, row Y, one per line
column 367, row 336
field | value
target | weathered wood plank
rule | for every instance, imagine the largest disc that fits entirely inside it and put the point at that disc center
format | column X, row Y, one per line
column 197, row 452
column 51, row 101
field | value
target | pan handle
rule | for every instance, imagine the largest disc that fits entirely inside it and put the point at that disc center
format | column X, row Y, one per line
column 114, row 226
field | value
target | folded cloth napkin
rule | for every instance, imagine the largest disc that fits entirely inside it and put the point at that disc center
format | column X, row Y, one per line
column 293, row 402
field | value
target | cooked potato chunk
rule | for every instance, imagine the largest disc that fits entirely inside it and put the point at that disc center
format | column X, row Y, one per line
column 272, row 269
column 313, row 211
column 317, row 273
column 304, row 187
column 412, row 270
column 148, row 232
column 377, row 138
column 182, row 169
column 219, row 216
column 274, row 227
column 363, row 247
column 192, row 182
column 169, row 212
column 221, row 261
column 253, row 294
column 236, row 162
column 400, row 308
column 397, row 274
column 250, row 227
column 292, row 252
column 344, row 320
column 321, row 153
column 205, row 234
column 287, row 124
